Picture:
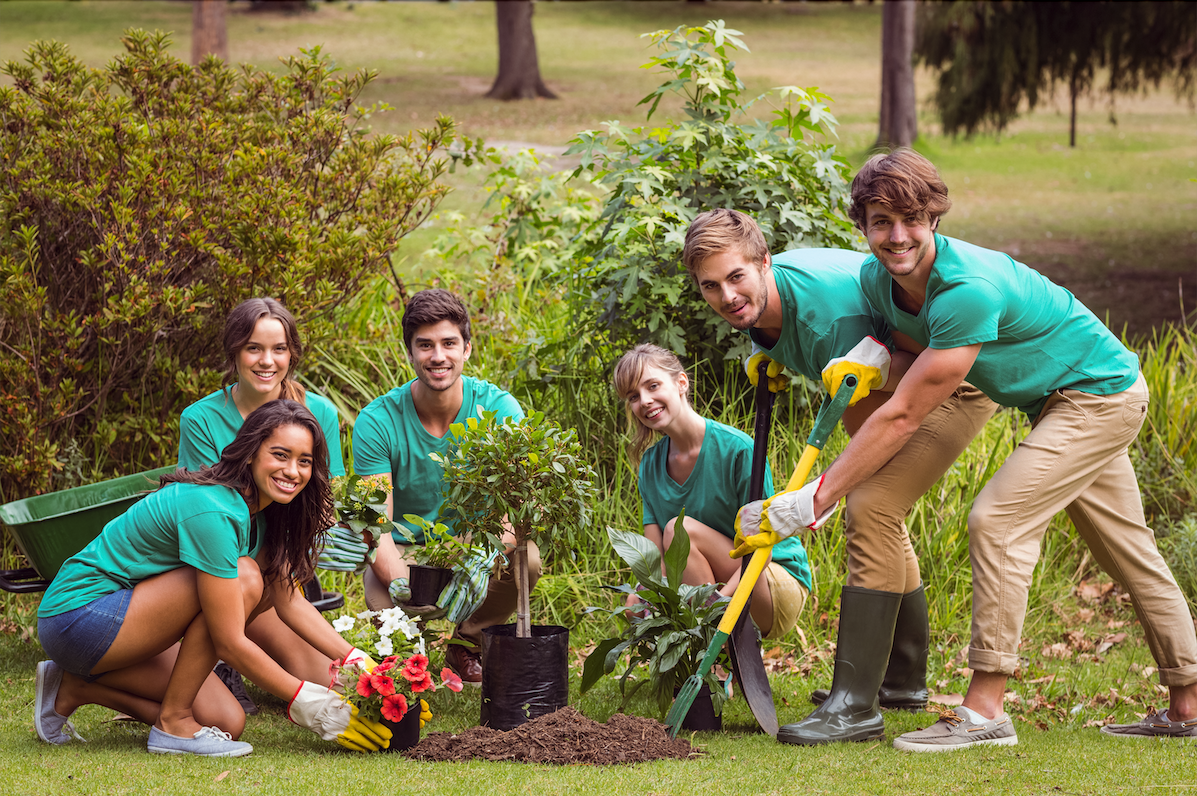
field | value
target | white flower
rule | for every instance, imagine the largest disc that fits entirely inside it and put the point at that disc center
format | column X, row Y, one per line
column 420, row 646
column 343, row 623
column 384, row 646
column 367, row 615
column 409, row 627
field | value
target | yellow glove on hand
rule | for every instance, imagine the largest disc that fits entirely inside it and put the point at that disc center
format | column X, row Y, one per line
column 425, row 714
column 868, row 361
column 326, row 713
column 749, row 518
column 364, row 735
column 777, row 382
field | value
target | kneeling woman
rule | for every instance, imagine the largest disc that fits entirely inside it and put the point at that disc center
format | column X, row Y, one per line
column 704, row 467
column 181, row 564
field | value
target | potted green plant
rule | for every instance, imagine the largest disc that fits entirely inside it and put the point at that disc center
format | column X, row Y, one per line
column 360, row 503
column 670, row 631
column 528, row 477
column 435, row 559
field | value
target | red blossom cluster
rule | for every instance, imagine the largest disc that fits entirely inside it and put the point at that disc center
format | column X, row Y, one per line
column 381, row 681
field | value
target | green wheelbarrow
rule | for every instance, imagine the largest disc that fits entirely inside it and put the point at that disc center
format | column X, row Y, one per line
column 51, row 528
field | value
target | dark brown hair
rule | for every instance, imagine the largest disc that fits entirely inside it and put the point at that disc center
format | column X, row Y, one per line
column 904, row 182
column 291, row 529
column 432, row 306
column 239, row 327
column 716, row 231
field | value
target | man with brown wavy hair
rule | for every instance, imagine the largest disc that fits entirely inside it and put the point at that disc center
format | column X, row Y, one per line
column 968, row 312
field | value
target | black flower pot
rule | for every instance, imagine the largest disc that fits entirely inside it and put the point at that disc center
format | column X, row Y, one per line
column 405, row 733
column 427, row 583
column 701, row 716
column 523, row 678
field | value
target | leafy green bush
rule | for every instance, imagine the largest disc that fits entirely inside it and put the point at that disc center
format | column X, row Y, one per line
column 1179, row 548
column 660, row 178
column 142, row 201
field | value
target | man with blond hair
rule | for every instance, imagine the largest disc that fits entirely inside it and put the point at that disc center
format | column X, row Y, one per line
column 968, row 312
column 804, row 309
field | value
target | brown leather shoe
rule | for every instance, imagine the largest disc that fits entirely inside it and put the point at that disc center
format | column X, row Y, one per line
column 466, row 663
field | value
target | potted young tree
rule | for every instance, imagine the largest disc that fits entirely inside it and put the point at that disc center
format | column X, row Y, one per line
column 528, row 477
column 670, row 631
column 435, row 559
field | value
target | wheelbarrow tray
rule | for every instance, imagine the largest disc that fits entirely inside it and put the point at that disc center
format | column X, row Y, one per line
column 51, row 528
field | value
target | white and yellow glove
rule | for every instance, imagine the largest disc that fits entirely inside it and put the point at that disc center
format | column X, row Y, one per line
column 868, row 361
column 767, row 522
column 326, row 713
column 778, row 382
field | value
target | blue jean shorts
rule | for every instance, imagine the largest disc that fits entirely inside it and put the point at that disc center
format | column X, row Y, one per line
column 78, row 639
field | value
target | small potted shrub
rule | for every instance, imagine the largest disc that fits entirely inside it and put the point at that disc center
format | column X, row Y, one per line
column 527, row 476
column 670, row 631
column 360, row 503
column 440, row 553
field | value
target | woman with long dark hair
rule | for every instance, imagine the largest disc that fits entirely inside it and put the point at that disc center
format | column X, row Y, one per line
column 198, row 560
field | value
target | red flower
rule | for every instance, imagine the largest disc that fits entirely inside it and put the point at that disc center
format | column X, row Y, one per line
column 415, row 668
column 394, row 707
column 363, row 685
column 424, row 684
column 382, row 684
column 450, row 680
column 386, row 665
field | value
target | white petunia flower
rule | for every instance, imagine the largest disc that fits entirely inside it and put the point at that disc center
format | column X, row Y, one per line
column 343, row 623
column 384, row 646
column 409, row 627
column 367, row 615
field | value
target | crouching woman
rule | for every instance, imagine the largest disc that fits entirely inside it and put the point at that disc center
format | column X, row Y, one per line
column 197, row 560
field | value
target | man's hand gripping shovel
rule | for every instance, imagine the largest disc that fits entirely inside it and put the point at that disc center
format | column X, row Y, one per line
column 829, row 415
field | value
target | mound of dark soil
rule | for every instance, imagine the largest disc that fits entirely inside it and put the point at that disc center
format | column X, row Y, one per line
column 565, row 737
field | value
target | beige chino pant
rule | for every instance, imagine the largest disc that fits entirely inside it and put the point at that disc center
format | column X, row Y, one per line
column 1075, row 459
column 880, row 556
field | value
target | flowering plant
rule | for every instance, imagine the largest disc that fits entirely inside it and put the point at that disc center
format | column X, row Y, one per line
column 388, row 689
column 361, row 504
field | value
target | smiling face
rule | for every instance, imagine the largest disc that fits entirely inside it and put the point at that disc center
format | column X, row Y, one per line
column 282, row 466
column 901, row 242
column 263, row 362
column 659, row 398
column 438, row 355
column 734, row 286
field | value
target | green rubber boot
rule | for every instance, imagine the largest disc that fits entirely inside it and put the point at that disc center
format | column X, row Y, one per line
column 851, row 712
column 905, row 683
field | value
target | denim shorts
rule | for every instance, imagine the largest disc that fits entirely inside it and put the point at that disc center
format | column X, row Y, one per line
column 78, row 639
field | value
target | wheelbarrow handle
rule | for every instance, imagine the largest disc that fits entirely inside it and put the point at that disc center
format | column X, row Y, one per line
column 22, row 581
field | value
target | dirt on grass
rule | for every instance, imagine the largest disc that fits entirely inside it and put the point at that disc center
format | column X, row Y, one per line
column 565, row 737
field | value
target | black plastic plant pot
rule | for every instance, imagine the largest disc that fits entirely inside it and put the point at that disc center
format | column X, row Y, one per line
column 427, row 583
column 523, row 678
column 701, row 716
column 405, row 733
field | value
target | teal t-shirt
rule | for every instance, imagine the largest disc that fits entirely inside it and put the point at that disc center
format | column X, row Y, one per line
column 714, row 492
column 210, row 424
column 1036, row 337
column 180, row 525
column 388, row 438
column 824, row 312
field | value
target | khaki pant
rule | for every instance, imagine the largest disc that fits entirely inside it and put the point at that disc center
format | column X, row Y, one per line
column 788, row 597
column 1075, row 459
column 502, row 596
column 880, row 556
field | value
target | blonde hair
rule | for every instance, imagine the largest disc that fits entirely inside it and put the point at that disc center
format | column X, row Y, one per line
column 717, row 231
column 629, row 370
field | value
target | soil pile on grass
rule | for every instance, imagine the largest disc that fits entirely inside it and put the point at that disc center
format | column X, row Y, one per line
column 565, row 737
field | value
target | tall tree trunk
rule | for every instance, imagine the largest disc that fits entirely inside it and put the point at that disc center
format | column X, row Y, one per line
column 209, row 35
column 519, row 70
column 899, row 115
column 523, row 619
column 1073, row 90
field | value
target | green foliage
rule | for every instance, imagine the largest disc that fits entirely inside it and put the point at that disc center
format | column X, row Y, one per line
column 670, row 632
column 659, row 178
column 991, row 57
column 439, row 548
column 1179, row 548
column 142, row 201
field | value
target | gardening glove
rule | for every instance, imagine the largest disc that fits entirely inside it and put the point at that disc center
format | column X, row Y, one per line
column 425, row 714
column 400, row 591
column 777, row 382
column 356, row 656
column 868, row 361
column 324, row 712
column 782, row 516
column 343, row 550
column 748, row 518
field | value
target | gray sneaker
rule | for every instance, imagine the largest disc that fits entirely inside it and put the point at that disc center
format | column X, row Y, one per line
column 208, row 742
column 956, row 731
column 1155, row 725
column 50, row 727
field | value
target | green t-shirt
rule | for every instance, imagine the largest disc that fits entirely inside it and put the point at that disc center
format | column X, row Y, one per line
column 210, row 424
column 714, row 492
column 180, row 525
column 1037, row 338
column 388, row 438
column 824, row 313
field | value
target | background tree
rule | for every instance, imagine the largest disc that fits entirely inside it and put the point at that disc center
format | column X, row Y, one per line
column 993, row 56
column 899, row 114
column 519, row 69
column 209, row 34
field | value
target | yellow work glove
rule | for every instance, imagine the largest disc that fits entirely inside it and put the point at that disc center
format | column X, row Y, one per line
column 425, row 714
column 364, row 735
column 749, row 519
column 777, row 381
column 868, row 361
column 326, row 713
